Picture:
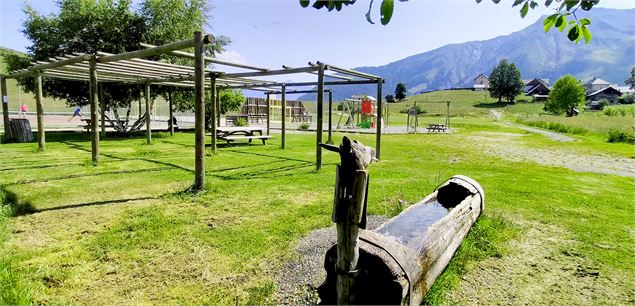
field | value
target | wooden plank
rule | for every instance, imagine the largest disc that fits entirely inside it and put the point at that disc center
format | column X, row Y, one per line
column 283, row 104
column 329, row 139
column 183, row 44
column 93, row 112
column 5, row 107
column 171, row 108
column 199, row 114
column 269, row 73
column 350, row 72
column 31, row 70
column 41, row 136
column 213, row 94
column 268, row 114
column 102, row 107
column 217, row 106
column 320, row 106
column 238, row 137
column 148, row 113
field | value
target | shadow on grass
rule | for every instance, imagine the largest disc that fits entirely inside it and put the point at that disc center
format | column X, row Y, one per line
column 492, row 105
column 16, row 207
column 40, row 166
column 96, row 203
column 72, row 176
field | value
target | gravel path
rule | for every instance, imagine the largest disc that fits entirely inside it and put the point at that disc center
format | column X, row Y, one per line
column 509, row 146
column 299, row 279
column 553, row 135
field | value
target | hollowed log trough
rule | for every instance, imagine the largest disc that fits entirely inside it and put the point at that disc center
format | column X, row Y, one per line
column 400, row 260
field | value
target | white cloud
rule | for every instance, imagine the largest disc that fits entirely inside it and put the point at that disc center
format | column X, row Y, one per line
column 232, row 56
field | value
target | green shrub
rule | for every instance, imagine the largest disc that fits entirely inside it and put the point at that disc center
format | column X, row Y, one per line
column 304, row 126
column 616, row 135
column 556, row 126
column 627, row 99
column 619, row 111
column 340, row 107
column 240, row 122
column 603, row 103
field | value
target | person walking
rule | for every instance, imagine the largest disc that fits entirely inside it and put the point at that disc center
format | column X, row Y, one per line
column 23, row 110
column 78, row 112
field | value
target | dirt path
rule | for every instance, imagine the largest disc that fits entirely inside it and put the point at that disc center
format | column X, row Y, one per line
column 509, row 146
column 542, row 268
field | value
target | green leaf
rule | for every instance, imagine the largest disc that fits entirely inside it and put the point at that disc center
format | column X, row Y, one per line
column 586, row 34
column 585, row 21
column 304, row 3
column 533, row 4
column 517, row 2
column 524, row 10
column 574, row 33
column 571, row 3
column 387, row 8
column 588, row 4
column 561, row 23
column 548, row 3
column 549, row 22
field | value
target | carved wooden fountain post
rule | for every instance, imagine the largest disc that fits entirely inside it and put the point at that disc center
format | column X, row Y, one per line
column 349, row 212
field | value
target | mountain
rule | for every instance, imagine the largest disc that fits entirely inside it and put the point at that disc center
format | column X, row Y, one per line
column 610, row 56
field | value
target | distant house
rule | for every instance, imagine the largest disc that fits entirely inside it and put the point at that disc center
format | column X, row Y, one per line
column 595, row 84
column 538, row 89
column 625, row 89
column 609, row 93
column 481, row 82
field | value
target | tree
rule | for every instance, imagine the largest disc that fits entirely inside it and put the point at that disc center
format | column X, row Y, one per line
column 88, row 26
column 231, row 100
column 576, row 28
column 505, row 81
column 400, row 91
column 567, row 93
column 631, row 81
column 390, row 98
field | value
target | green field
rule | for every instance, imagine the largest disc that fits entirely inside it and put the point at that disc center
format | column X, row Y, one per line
column 126, row 232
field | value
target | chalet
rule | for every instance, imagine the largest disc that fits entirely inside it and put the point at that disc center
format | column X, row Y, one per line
column 538, row 89
column 481, row 82
column 607, row 93
column 595, row 84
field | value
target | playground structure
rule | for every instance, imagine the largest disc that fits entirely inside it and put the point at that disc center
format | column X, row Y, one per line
column 414, row 112
column 257, row 109
column 360, row 111
column 130, row 68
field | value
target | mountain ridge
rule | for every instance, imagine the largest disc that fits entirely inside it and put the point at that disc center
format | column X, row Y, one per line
column 610, row 55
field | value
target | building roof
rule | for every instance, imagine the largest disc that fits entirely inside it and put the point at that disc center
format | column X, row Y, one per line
column 596, row 81
column 625, row 89
column 480, row 86
column 478, row 76
column 609, row 88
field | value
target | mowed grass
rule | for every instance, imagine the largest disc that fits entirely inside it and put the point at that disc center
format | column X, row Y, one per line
column 127, row 231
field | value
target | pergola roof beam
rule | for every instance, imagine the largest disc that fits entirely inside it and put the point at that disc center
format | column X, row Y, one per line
column 350, row 72
column 269, row 73
column 209, row 59
column 30, row 70
column 275, row 92
column 183, row 44
column 326, row 75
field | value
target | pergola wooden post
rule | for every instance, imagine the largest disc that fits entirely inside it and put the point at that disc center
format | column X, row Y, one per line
column 380, row 83
column 320, row 106
column 92, row 85
column 146, row 92
column 268, row 113
column 5, row 106
column 199, row 114
column 102, row 107
column 171, row 119
column 283, row 103
column 329, row 140
column 217, row 107
column 447, row 115
column 213, row 95
column 41, row 136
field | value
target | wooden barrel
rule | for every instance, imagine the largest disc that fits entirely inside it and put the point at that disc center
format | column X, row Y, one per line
column 400, row 260
column 20, row 130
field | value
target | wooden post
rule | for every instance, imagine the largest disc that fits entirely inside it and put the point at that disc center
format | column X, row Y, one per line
column 41, row 137
column 320, row 106
column 329, row 140
column 140, row 109
column 214, row 110
column 5, row 106
column 171, row 119
column 416, row 116
column 93, row 110
column 447, row 116
column 199, row 114
column 217, row 101
column 268, row 113
column 380, row 83
column 148, row 113
column 102, row 107
column 348, row 213
column 283, row 103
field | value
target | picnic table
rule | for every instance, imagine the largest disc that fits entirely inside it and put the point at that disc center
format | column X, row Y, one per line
column 88, row 125
column 436, row 128
column 232, row 133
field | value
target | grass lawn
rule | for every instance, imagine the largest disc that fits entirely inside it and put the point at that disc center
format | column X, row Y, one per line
column 126, row 232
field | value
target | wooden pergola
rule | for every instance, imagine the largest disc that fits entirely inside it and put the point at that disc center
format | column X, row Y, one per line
column 130, row 68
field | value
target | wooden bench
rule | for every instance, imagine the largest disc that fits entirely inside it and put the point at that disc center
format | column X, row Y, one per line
column 436, row 128
column 229, row 139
